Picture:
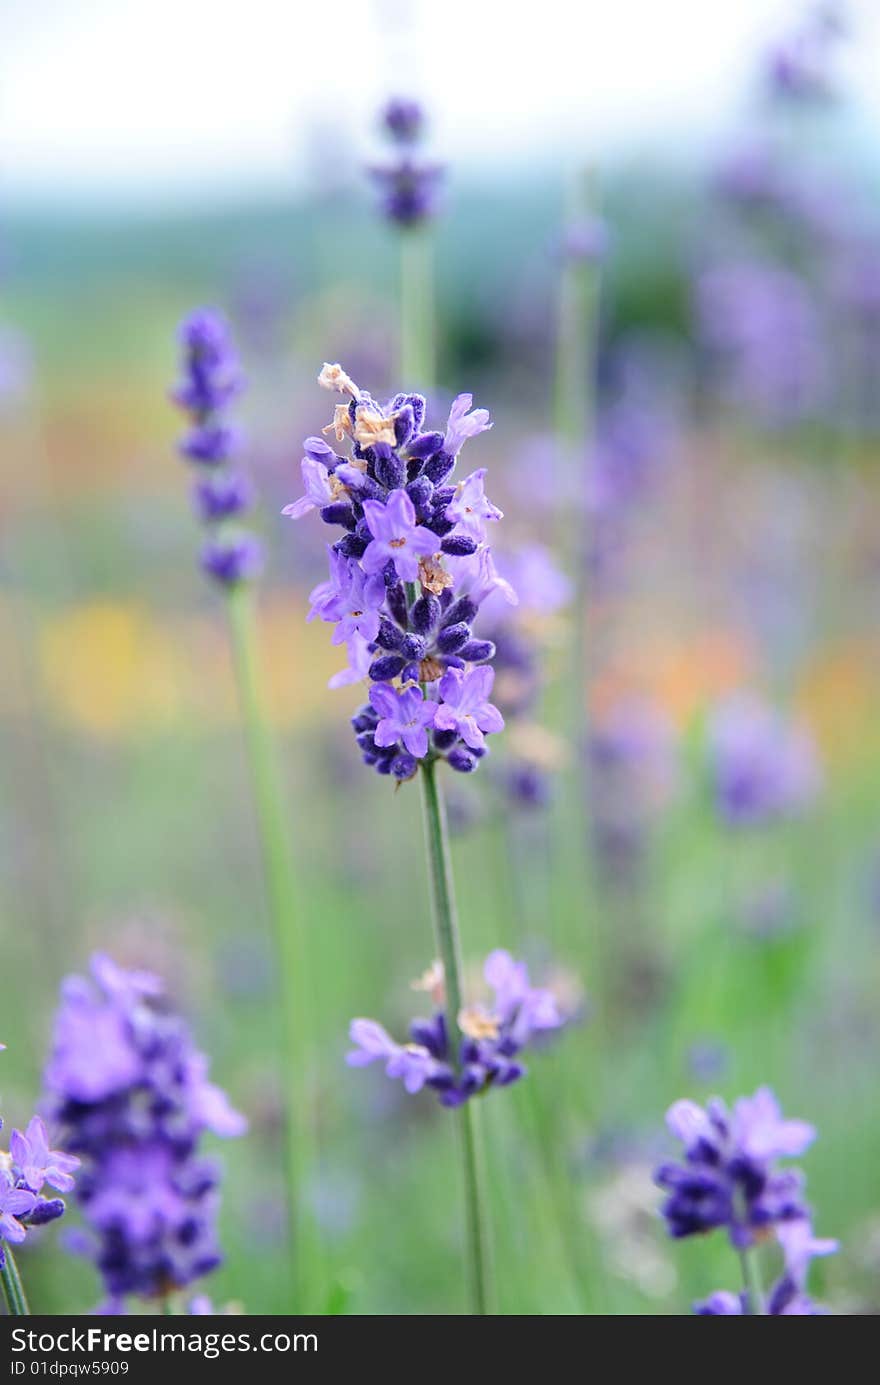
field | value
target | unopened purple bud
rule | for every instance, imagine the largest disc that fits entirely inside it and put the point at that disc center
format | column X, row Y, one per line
column 463, row 609
column 390, row 470
column 386, row 667
column 439, row 467
column 404, row 766
column 351, row 546
column 404, row 120
column 421, row 493
column 404, row 423
column 340, row 512
column 444, row 740
column 46, row 1210
column 459, row 545
column 319, row 451
column 395, row 598
column 453, row 638
column 440, row 526
column 413, row 647
column 425, row 445
column 461, row 760
column 390, row 636
column 425, row 613
column 477, row 651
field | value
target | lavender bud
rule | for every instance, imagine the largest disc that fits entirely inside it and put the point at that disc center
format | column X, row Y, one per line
column 421, row 493
column 46, row 1210
column 444, row 740
column 351, row 546
column 340, row 512
column 404, row 423
column 425, row 613
column 395, row 598
column 389, row 636
column 461, row 760
column 477, row 651
column 404, row 766
column 459, row 545
column 425, row 445
column 453, row 638
column 390, row 470
column 440, row 526
column 462, row 609
column 386, row 667
column 439, row 467
column 413, row 647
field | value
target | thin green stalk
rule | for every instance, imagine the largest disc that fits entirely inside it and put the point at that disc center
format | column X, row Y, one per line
column 290, row 944
column 13, row 1290
column 416, row 365
column 479, row 1269
column 752, row 1283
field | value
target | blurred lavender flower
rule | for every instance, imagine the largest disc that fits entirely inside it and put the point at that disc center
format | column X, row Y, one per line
column 210, row 379
column 408, row 187
column 632, row 768
column 586, row 240
column 131, row 1093
column 800, row 66
column 730, row 1177
column 763, row 768
column 762, row 325
column 404, row 616
column 483, row 1055
column 788, row 1297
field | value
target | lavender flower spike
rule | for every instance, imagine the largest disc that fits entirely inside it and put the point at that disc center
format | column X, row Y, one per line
column 407, row 577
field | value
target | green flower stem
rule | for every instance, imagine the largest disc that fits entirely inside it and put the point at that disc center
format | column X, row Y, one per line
column 13, row 1291
column 290, row 945
column 752, row 1284
column 479, row 1270
column 416, row 344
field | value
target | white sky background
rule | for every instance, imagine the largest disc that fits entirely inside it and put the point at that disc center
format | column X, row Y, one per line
column 179, row 98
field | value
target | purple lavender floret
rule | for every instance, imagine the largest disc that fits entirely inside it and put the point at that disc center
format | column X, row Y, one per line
column 730, row 1177
column 486, row 1051
column 132, row 1095
column 407, row 576
column 210, row 380
column 24, row 1171
column 788, row 1296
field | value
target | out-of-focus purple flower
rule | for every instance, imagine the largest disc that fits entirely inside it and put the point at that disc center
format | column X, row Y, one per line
column 231, row 561
column 404, row 120
column 729, row 1178
column 800, row 66
column 222, row 497
column 404, row 716
column 132, row 1095
column 763, row 767
column 483, row 1054
column 210, row 379
column 409, row 185
column 465, row 707
column 586, row 240
column 763, row 326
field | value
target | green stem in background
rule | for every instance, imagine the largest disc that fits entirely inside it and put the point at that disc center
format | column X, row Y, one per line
column 290, row 945
column 416, row 343
column 446, row 928
column 752, row 1284
column 13, row 1292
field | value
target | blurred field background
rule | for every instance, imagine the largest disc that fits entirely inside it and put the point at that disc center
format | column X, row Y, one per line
column 708, row 958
